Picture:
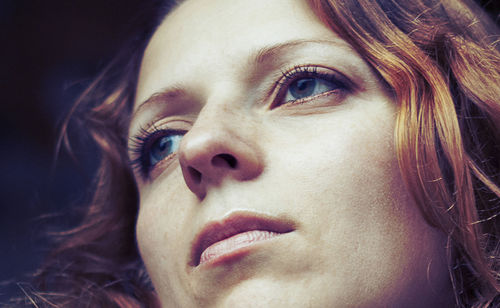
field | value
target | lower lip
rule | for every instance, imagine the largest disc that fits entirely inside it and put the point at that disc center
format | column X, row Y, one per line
column 233, row 246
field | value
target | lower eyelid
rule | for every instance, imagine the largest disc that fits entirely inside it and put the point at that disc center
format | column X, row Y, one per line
column 315, row 97
column 162, row 166
column 334, row 85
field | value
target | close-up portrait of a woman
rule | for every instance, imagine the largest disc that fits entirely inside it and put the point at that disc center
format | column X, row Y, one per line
column 289, row 153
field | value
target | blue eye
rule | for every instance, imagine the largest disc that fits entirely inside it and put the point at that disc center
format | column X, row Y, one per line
column 163, row 147
column 306, row 87
column 150, row 147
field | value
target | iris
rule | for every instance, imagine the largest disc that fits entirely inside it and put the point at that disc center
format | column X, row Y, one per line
column 306, row 87
column 163, row 147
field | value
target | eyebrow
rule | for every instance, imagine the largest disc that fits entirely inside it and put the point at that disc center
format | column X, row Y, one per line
column 269, row 52
column 170, row 93
column 260, row 56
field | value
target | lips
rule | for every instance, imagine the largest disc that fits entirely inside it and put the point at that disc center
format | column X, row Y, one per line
column 224, row 238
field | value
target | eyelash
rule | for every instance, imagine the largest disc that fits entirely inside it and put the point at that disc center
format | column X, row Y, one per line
column 304, row 71
column 142, row 142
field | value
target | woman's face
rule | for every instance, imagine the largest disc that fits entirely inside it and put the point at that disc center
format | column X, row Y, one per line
column 265, row 161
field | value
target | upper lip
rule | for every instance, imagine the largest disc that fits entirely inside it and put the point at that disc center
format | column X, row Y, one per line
column 216, row 231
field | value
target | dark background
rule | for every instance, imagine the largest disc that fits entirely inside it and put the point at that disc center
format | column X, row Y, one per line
column 49, row 52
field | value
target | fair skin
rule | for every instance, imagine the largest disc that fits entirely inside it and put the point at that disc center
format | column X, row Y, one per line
column 312, row 151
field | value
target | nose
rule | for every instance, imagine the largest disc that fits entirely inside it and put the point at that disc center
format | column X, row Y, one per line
column 214, row 150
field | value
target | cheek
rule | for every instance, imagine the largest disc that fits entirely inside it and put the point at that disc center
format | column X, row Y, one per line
column 368, row 235
column 163, row 215
column 345, row 162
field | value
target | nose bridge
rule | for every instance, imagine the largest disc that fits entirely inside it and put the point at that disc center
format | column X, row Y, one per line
column 215, row 121
column 223, row 102
column 220, row 144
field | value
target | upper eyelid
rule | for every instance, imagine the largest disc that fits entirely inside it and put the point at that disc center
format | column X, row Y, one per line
column 330, row 53
column 167, row 123
column 297, row 72
column 176, row 103
column 312, row 69
column 164, row 124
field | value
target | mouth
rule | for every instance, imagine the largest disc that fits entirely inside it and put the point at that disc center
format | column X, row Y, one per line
column 228, row 238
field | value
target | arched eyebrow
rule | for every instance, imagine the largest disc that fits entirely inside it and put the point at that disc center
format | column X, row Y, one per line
column 170, row 93
column 272, row 52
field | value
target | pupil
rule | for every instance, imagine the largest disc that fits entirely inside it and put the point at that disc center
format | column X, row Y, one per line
column 303, row 87
column 160, row 149
column 163, row 144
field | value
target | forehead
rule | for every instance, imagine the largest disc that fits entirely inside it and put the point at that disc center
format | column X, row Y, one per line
column 205, row 37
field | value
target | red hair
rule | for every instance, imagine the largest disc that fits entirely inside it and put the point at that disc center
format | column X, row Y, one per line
column 443, row 68
column 442, row 65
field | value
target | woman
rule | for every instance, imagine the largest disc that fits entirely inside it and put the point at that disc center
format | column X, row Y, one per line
column 293, row 154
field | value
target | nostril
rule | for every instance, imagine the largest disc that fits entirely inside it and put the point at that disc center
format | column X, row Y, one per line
column 195, row 175
column 224, row 160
